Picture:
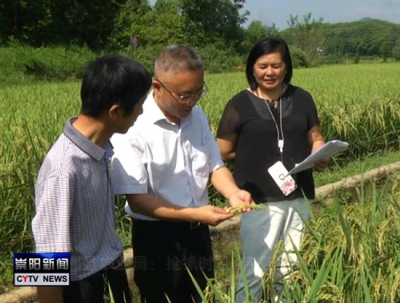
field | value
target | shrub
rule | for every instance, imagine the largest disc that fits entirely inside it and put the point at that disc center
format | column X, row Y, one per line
column 218, row 59
column 58, row 63
column 299, row 57
column 23, row 64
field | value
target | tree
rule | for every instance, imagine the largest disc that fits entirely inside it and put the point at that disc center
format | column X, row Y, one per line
column 167, row 26
column 160, row 25
column 46, row 22
column 367, row 37
column 211, row 21
column 388, row 42
column 84, row 22
column 134, row 18
column 396, row 50
column 308, row 35
column 257, row 31
column 254, row 32
column 26, row 21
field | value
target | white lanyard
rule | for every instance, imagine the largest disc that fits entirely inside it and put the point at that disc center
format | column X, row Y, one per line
column 280, row 141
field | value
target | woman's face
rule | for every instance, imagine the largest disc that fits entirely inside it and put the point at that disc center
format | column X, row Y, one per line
column 269, row 71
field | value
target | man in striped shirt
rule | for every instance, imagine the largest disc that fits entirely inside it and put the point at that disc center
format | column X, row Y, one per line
column 73, row 195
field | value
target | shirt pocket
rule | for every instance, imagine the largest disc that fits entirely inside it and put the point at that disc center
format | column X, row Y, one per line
column 200, row 161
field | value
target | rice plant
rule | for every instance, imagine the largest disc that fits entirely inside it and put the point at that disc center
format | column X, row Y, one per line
column 349, row 253
column 359, row 104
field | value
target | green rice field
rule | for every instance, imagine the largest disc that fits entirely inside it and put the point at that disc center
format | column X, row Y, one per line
column 356, row 103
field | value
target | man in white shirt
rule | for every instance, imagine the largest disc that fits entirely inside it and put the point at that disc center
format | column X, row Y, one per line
column 163, row 165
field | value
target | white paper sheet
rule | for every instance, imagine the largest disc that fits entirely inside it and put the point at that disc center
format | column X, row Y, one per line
column 324, row 152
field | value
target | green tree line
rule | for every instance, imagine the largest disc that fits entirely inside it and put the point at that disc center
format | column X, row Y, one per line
column 109, row 25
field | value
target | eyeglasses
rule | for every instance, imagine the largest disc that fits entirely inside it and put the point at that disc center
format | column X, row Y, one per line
column 189, row 97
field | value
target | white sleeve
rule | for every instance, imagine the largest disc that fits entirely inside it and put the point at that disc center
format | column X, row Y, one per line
column 50, row 226
column 128, row 170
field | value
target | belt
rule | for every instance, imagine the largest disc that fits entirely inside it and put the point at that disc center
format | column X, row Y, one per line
column 194, row 225
column 188, row 225
column 180, row 224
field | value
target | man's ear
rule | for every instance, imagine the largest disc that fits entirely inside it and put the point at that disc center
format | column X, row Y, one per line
column 115, row 111
column 156, row 85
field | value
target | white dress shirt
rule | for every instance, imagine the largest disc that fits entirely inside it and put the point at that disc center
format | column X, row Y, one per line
column 158, row 157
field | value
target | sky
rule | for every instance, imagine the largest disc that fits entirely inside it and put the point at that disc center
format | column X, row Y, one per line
column 332, row 11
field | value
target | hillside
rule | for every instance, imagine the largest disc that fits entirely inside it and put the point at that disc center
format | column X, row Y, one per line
column 365, row 37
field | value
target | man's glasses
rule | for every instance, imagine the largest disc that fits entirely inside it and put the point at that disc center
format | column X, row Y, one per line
column 189, row 97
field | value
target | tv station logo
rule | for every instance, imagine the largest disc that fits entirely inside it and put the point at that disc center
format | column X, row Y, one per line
column 41, row 269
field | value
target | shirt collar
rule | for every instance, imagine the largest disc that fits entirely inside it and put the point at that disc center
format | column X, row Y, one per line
column 84, row 143
column 153, row 112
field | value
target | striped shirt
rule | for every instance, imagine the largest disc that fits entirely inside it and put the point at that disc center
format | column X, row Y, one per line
column 75, row 204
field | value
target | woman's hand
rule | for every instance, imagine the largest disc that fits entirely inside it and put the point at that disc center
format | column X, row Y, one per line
column 320, row 165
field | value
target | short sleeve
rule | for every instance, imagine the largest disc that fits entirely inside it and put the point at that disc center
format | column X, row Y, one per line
column 51, row 224
column 128, row 170
column 229, row 123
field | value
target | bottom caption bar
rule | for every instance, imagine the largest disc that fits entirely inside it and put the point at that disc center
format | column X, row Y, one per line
column 30, row 279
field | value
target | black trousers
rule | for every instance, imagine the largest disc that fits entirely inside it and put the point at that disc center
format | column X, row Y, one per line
column 163, row 253
column 95, row 288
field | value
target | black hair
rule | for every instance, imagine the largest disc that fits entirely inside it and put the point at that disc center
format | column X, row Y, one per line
column 113, row 80
column 265, row 47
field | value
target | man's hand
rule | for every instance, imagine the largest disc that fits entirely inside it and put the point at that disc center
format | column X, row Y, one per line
column 239, row 198
column 320, row 165
column 223, row 181
column 211, row 215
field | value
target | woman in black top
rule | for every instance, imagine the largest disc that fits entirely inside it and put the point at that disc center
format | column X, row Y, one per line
column 270, row 121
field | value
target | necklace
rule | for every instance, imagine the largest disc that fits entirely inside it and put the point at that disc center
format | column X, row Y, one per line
column 281, row 138
column 279, row 129
column 274, row 102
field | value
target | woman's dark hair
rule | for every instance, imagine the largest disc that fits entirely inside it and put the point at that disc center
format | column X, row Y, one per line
column 113, row 80
column 265, row 47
